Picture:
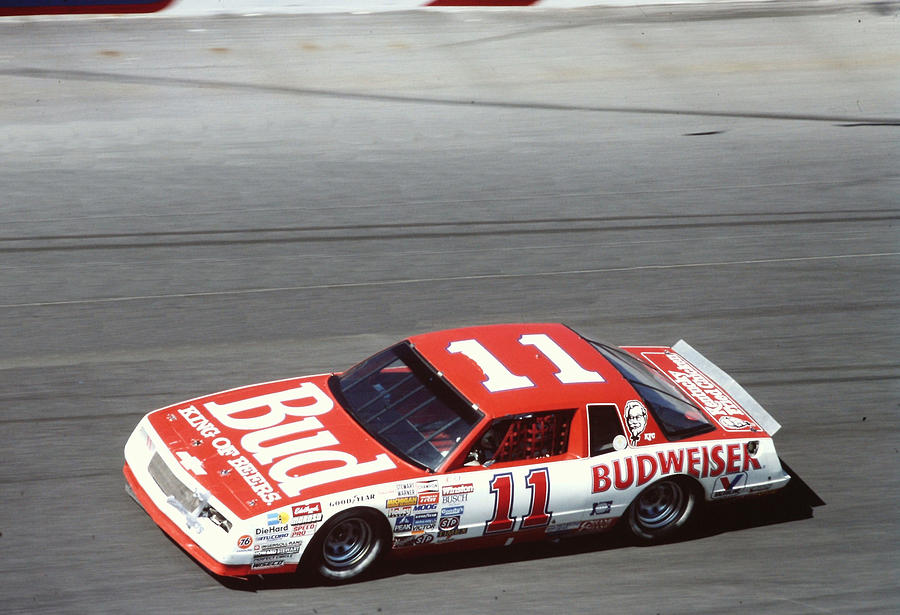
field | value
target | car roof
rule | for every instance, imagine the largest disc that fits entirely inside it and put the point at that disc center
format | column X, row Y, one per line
column 522, row 362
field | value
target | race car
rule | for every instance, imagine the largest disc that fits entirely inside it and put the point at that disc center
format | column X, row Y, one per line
column 476, row 436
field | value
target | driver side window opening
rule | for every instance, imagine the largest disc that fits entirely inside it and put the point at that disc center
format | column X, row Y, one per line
column 529, row 436
column 603, row 426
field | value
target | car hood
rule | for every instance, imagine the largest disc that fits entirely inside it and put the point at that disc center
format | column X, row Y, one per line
column 273, row 444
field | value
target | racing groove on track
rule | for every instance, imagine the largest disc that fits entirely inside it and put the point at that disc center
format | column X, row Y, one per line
column 160, row 242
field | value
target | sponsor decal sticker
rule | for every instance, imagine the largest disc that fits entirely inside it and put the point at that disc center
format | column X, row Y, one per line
column 448, row 534
column 594, row 525
column 404, row 524
column 412, row 541
column 276, row 518
column 429, row 497
column 303, row 529
column 698, row 461
column 245, row 541
column 307, row 513
column 403, row 501
column 425, row 520
column 456, row 494
column 457, row 489
column 601, row 508
column 448, row 523
column 730, row 485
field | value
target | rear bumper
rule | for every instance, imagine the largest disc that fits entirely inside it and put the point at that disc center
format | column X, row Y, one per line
column 184, row 540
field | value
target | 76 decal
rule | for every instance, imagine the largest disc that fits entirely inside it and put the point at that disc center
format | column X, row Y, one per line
column 538, row 483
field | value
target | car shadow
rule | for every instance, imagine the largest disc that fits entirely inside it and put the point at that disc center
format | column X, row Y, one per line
column 793, row 503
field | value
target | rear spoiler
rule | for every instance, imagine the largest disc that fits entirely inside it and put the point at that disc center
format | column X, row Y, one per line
column 736, row 391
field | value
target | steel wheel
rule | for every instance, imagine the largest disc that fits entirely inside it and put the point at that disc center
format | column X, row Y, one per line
column 661, row 509
column 349, row 544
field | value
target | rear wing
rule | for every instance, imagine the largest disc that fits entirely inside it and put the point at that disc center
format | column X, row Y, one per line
column 730, row 385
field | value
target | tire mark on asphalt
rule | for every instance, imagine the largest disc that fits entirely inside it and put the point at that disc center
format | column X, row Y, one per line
column 346, row 233
column 157, row 81
column 459, row 278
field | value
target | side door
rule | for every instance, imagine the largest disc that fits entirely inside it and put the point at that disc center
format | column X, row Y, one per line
column 521, row 477
column 608, row 446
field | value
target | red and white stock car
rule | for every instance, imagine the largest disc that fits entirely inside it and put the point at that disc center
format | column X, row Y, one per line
column 476, row 436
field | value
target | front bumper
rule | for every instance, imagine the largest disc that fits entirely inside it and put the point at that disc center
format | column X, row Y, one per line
column 180, row 536
column 152, row 482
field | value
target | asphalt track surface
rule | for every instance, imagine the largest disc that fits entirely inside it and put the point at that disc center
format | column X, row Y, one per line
column 191, row 205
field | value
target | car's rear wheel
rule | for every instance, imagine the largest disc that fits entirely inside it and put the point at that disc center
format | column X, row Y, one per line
column 662, row 510
column 349, row 545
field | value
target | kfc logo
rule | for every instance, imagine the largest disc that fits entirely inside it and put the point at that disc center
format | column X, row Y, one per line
column 636, row 420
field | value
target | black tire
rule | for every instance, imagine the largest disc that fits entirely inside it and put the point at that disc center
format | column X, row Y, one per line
column 663, row 510
column 349, row 545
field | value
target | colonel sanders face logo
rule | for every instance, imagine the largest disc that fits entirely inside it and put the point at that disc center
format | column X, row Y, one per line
column 636, row 419
column 732, row 422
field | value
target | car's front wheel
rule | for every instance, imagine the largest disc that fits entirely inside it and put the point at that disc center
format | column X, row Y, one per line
column 349, row 545
column 662, row 510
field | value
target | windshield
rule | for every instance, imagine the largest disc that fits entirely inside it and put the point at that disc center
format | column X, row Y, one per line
column 676, row 416
column 406, row 406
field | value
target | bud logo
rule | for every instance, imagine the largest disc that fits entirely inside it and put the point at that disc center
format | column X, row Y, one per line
column 284, row 436
column 245, row 541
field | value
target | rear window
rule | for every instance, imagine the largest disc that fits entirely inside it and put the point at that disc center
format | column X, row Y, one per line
column 673, row 412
